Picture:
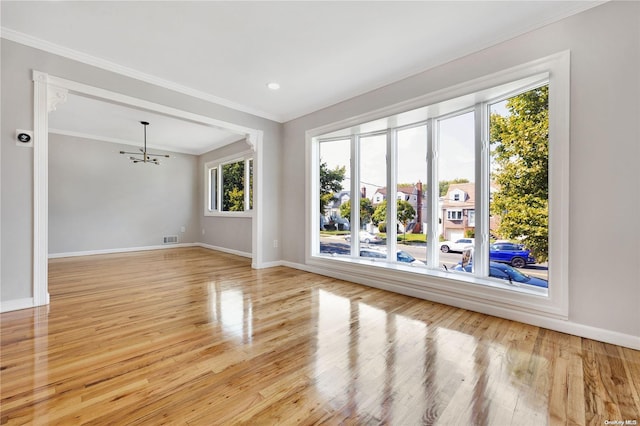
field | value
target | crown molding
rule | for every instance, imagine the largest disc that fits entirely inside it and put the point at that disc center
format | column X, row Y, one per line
column 200, row 151
column 104, row 64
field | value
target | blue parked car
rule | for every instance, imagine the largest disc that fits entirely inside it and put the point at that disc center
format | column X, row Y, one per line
column 402, row 256
column 508, row 273
column 514, row 254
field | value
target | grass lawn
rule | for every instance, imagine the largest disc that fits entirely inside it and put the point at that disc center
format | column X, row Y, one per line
column 335, row 232
column 411, row 238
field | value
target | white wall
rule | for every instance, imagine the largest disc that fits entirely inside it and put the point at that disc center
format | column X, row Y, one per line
column 604, row 260
column 99, row 200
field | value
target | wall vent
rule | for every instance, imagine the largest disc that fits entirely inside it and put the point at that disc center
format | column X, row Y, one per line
column 171, row 239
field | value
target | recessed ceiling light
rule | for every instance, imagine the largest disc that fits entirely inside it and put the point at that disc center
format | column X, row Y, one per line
column 273, row 86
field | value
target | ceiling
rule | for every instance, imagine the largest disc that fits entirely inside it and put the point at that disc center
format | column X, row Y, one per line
column 320, row 53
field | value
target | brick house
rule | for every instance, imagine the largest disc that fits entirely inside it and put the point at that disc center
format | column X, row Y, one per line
column 459, row 211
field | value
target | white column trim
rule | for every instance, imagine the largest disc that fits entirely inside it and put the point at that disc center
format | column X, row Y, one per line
column 257, row 222
column 40, row 189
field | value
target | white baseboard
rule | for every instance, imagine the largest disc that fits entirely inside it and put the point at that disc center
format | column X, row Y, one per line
column 118, row 250
column 300, row 266
column 265, row 265
column 563, row 326
column 16, row 304
column 224, row 250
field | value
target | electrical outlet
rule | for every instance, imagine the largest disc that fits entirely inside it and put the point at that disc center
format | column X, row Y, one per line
column 202, row 231
column 275, row 243
column 182, row 229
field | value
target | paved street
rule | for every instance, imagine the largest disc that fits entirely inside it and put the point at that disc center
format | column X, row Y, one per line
column 338, row 245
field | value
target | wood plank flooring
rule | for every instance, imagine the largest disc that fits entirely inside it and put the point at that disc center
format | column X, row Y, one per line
column 192, row 336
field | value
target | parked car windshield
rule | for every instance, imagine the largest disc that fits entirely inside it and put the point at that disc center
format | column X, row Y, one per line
column 516, row 275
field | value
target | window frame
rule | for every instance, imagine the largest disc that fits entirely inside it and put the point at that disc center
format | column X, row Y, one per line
column 217, row 164
column 434, row 284
column 471, row 217
column 450, row 215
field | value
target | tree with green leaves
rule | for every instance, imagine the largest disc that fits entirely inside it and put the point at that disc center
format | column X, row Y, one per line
column 405, row 213
column 380, row 213
column 330, row 184
column 366, row 210
column 520, row 150
column 444, row 184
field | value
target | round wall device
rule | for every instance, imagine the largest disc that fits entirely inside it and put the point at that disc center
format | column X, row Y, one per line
column 24, row 137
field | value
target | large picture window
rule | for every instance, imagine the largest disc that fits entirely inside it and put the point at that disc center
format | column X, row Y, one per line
column 229, row 184
column 457, row 190
column 511, row 195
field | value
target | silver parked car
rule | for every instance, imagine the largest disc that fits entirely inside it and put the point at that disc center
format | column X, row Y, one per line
column 366, row 237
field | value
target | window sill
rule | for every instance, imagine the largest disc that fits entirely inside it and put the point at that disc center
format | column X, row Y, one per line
column 248, row 214
column 454, row 288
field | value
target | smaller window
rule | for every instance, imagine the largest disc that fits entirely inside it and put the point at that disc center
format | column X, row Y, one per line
column 229, row 186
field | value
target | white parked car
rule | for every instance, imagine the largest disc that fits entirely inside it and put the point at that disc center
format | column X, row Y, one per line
column 457, row 245
column 366, row 237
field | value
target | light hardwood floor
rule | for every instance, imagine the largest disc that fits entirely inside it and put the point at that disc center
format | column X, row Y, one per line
column 192, row 336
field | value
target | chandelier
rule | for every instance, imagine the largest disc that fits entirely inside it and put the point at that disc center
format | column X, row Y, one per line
column 143, row 156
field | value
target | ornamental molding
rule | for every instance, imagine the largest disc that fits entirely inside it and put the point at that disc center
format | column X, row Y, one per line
column 251, row 142
column 55, row 97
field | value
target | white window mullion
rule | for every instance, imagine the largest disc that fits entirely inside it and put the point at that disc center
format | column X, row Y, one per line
column 246, row 184
column 433, row 192
column 355, row 196
column 481, row 252
column 314, row 200
column 219, row 189
column 392, row 185
column 214, row 189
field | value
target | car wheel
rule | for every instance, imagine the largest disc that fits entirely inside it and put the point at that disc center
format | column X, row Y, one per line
column 445, row 249
column 518, row 262
column 367, row 241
